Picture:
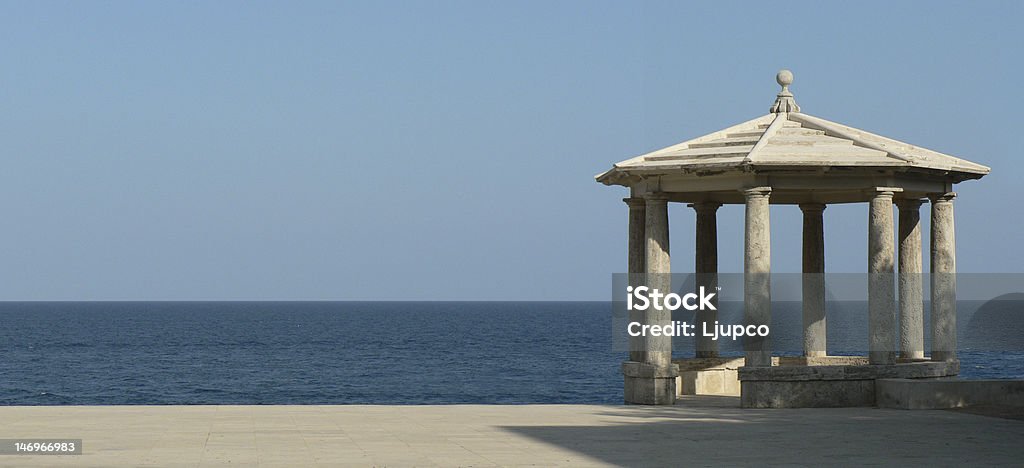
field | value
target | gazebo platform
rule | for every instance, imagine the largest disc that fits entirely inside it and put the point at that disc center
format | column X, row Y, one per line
column 801, row 381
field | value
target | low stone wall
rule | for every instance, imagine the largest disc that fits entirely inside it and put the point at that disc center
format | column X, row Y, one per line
column 709, row 382
column 947, row 393
column 828, row 386
column 807, row 394
column 709, row 376
column 719, row 375
column 822, row 361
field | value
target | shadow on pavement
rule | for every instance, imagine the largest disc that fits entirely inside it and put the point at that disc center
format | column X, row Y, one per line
column 715, row 431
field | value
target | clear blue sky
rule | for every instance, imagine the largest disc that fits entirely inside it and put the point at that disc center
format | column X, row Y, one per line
column 445, row 150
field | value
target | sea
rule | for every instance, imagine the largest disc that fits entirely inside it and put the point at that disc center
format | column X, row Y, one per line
column 394, row 353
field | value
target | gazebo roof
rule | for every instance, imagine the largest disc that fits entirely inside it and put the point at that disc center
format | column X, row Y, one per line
column 788, row 141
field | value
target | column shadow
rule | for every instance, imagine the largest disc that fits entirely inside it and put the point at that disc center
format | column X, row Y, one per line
column 706, row 431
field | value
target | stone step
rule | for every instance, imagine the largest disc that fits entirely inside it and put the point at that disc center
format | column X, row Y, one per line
column 782, row 131
column 799, row 131
column 757, row 133
column 728, row 141
column 808, row 140
column 722, row 151
column 787, row 124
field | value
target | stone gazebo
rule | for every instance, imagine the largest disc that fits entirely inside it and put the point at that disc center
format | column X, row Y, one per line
column 790, row 158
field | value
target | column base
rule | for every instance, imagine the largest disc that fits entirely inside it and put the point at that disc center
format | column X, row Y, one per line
column 912, row 355
column 645, row 384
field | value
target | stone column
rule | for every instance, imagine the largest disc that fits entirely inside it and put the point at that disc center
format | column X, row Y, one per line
column 706, row 269
column 757, row 300
column 909, row 279
column 881, row 292
column 943, row 266
column 652, row 379
column 814, row 280
column 637, row 264
column 659, row 269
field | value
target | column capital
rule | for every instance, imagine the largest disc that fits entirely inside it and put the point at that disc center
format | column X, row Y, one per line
column 909, row 203
column 884, row 192
column 635, row 202
column 757, row 192
column 808, row 208
column 705, row 206
column 942, row 197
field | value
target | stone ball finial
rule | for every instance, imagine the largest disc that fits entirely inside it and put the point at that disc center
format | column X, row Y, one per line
column 784, row 78
column 784, row 102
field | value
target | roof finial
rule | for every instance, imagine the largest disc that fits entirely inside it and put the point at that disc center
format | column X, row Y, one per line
column 784, row 102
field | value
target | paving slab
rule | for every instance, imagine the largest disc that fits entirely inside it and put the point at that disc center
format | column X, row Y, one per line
column 697, row 431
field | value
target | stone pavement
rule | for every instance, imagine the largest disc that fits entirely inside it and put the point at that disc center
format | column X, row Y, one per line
column 698, row 431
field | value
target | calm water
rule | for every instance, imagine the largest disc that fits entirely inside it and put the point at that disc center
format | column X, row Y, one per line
column 100, row 353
